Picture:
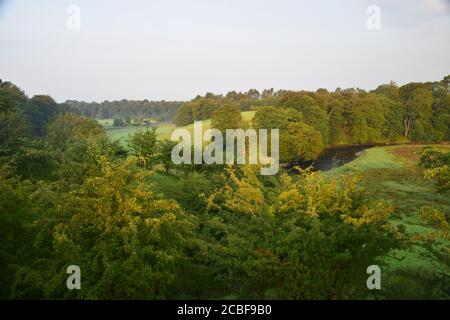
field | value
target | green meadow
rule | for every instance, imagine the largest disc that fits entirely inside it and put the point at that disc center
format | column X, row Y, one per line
column 392, row 174
column 163, row 131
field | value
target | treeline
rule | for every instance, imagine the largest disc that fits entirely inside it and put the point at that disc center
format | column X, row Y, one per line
column 413, row 112
column 201, row 108
column 123, row 109
column 26, row 115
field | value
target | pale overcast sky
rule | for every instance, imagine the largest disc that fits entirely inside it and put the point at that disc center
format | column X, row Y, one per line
column 176, row 49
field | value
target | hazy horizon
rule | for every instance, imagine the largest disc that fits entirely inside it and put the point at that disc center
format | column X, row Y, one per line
column 173, row 50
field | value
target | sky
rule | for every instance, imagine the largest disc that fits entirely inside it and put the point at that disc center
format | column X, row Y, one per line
column 177, row 49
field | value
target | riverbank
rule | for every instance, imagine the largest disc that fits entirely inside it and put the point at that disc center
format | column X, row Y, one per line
column 336, row 156
column 392, row 174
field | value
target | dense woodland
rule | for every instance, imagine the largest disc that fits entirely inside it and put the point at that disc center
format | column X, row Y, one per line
column 140, row 227
column 415, row 111
column 123, row 109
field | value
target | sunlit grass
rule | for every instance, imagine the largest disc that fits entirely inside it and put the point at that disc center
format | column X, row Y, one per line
column 393, row 174
column 163, row 131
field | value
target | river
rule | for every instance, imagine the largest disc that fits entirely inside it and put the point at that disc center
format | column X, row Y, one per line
column 332, row 157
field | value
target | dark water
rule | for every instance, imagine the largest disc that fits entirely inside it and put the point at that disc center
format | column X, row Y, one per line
column 332, row 158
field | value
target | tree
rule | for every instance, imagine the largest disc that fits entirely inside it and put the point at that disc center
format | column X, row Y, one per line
column 184, row 115
column 67, row 127
column 12, row 124
column 199, row 108
column 125, row 108
column 302, row 142
column 437, row 164
column 367, row 118
column 129, row 241
column 39, row 111
column 275, row 118
column 144, row 143
column 314, row 240
column 418, row 110
column 117, row 122
column 441, row 110
column 393, row 117
column 337, row 122
column 242, row 194
column 12, row 128
column 10, row 97
column 137, row 121
column 390, row 91
column 312, row 113
column 322, row 239
column 298, row 140
column 227, row 117
column 165, row 148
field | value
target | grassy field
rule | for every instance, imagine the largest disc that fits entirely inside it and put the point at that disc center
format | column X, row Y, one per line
column 392, row 174
column 163, row 131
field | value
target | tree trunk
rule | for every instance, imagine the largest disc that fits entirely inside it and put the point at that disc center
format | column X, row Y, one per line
column 407, row 125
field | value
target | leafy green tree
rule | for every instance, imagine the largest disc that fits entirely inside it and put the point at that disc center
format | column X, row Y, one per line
column 302, row 142
column 67, row 127
column 441, row 110
column 418, row 101
column 337, row 122
column 437, row 164
column 367, row 119
column 12, row 128
column 358, row 125
column 227, row 117
column 12, row 124
column 39, row 111
column 11, row 97
column 312, row 113
column 117, row 122
column 17, row 234
column 199, row 108
column 306, row 249
column 145, row 144
column 275, row 118
column 124, row 108
column 184, row 115
column 298, row 140
column 165, row 148
column 394, row 114
column 129, row 241
column 390, row 91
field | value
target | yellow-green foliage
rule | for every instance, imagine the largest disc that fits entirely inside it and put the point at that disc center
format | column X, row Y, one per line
column 70, row 126
column 119, row 228
column 239, row 194
column 316, row 196
column 436, row 218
